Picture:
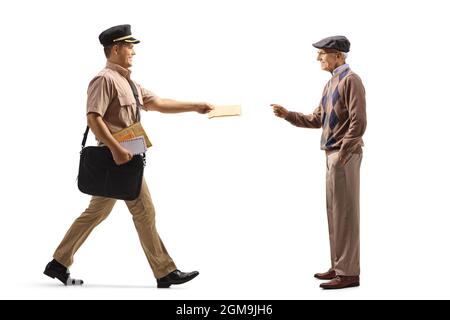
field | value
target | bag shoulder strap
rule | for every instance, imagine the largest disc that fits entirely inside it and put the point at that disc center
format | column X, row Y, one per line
column 83, row 143
column 136, row 97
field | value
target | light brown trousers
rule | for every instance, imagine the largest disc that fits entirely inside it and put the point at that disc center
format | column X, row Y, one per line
column 143, row 213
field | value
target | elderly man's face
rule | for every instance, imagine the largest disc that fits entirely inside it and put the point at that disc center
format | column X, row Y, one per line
column 329, row 59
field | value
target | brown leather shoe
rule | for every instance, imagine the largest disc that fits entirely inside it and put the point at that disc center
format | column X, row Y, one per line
column 329, row 275
column 341, row 282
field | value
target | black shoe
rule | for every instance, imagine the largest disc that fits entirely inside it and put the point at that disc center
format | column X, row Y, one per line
column 54, row 269
column 176, row 277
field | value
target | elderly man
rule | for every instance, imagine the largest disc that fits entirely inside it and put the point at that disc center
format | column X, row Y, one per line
column 113, row 104
column 342, row 116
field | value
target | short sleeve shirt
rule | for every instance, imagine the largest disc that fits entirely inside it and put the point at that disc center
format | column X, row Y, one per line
column 110, row 95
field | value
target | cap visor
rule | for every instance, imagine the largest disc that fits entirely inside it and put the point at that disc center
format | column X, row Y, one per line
column 131, row 40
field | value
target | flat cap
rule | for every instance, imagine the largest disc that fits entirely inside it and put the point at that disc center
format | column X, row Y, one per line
column 339, row 43
column 120, row 33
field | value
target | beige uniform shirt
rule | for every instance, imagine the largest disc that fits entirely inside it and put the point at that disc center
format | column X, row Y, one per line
column 110, row 95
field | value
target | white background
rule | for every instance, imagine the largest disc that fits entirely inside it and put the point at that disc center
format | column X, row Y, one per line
column 241, row 199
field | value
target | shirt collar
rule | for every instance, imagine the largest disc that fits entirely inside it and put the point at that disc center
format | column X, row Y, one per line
column 340, row 69
column 123, row 72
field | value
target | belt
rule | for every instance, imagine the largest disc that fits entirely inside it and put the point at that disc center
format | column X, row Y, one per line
column 331, row 151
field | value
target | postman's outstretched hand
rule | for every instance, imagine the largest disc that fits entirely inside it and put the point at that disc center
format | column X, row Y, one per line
column 204, row 107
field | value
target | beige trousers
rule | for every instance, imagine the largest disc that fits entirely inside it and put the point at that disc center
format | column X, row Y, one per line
column 342, row 183
column 144, row 219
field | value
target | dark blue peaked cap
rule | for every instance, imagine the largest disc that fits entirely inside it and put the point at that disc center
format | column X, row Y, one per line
column 116, row 34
